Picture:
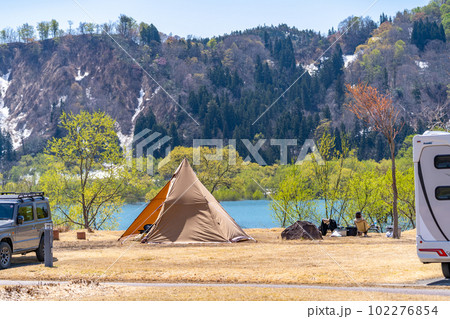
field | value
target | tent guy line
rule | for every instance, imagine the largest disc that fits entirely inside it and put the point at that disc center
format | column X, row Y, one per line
column 189, row 213
column 132, row 244
column 192, row 215
column 141, row 224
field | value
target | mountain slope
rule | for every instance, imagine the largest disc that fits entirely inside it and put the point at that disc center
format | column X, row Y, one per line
column 226, row 83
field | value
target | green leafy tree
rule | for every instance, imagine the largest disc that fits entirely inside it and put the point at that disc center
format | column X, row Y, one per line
column 406, row 196
column 295, row 199
column 26, row 32
column 127, row 26
column 86, row 178
column 54, row 27
column 89, row 27
column 445, row 17
column 43, row 29
column 212, row 43
column 330, row 174
column 28, row 171
column 366, row 186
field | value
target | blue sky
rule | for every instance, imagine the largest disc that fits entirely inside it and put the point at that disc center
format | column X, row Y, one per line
column 201, row 18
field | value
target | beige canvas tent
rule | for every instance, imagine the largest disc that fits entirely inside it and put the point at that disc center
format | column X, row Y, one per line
column 184, row 211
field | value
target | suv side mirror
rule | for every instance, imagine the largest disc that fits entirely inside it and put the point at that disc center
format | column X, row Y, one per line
column 20, row 220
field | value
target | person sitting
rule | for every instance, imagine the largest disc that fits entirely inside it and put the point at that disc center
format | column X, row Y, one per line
column 327, row 224
column 361, row 224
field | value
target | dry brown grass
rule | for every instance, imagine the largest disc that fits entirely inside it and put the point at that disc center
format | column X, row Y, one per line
column 333, row 261
column 90, row 292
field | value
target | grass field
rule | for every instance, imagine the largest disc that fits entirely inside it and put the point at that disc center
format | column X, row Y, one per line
column 346, row 261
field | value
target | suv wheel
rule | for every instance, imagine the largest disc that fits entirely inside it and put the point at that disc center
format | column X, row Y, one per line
column 40, row 251
column 5, row 255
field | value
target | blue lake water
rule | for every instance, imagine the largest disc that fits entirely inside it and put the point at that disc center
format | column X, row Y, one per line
column 247, row 213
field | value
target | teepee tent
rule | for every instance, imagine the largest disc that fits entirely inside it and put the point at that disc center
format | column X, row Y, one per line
column 184, row 211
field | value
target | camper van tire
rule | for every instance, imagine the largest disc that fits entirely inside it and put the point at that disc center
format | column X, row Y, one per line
column 446, row 269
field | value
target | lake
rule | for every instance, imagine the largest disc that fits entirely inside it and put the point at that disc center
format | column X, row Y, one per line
column 247, row 213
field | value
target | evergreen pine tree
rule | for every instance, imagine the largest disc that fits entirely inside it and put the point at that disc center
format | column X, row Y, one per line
column 385, row 80
column 193, row 102
column 175, row 140
column 327, row 113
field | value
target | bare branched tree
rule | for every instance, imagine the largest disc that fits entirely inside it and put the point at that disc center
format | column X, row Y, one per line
column 378, row 111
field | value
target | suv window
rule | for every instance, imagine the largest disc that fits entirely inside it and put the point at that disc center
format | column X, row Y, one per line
column 42, row 210
column 26, row 212
column 6, row 211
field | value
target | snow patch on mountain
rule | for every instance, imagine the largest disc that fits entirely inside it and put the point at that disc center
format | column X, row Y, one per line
column 9, row 124
column 61, row 100
column 348, row 59
column 80, row 77
column 422, row 64
column 140, row 106
column 88, row 93
column 4, row 83
column 311, row 68
column 270, row 63
column 127, row 139
column 4, row 114
column 4, row 111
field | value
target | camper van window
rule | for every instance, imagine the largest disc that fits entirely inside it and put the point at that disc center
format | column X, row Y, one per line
column 443, row 193
column 442, row 161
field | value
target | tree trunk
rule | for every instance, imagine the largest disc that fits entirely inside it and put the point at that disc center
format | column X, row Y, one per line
column 394, row 190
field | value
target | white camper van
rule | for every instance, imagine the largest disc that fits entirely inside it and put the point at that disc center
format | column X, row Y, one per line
column 431, row 156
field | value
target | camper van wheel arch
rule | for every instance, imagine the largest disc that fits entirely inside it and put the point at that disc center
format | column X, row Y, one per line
column 446, row 270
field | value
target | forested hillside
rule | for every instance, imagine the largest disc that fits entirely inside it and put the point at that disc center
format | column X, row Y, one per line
column 225, row 83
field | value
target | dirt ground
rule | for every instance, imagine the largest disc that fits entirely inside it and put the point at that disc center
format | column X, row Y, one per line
column 346, row 261
column 81, row 290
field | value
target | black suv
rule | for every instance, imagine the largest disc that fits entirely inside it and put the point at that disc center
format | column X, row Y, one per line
column 22, row 220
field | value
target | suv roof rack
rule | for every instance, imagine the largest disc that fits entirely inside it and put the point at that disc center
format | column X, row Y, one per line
column 22, row 196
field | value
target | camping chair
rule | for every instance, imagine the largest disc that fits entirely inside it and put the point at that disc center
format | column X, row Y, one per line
column 362, row 226
column 375, row 228
column 143, row 232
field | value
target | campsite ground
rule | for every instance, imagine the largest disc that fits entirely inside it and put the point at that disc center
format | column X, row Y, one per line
column 346, row 261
